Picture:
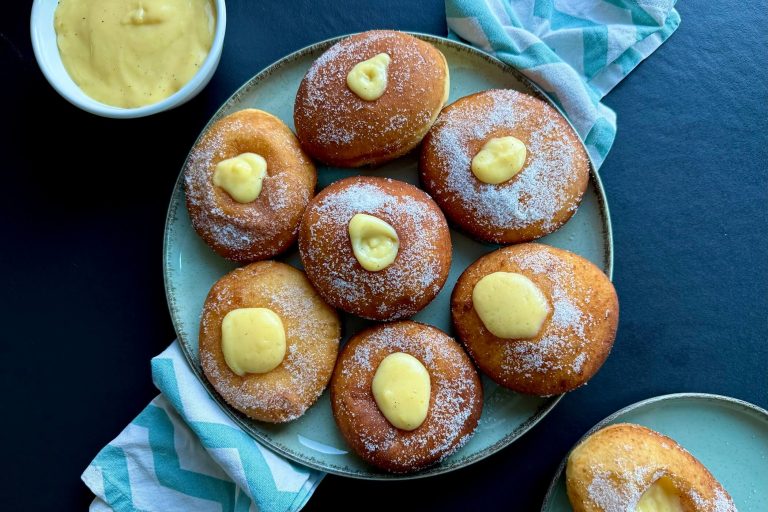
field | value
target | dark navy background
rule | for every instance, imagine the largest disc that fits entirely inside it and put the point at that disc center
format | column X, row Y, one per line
column 83, row 202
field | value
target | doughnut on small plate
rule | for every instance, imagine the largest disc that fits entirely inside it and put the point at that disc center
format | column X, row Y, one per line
column 729, row 436
column 191, row 268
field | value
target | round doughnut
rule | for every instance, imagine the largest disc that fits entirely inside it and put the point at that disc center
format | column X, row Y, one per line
column 267, row 226
column 403, row 288
column 534, row 202
column 339, row 128
column 455, row 404
column 612, row 468
column 576, row 336
column 312, row 332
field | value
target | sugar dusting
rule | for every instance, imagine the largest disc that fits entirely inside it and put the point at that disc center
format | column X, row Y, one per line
column 621, row 495
column 720, row 502
column 250, row 227
column 565, row 345
column 620, row 491
column 618, row 484
column 536, row 195
column 309, row 336
column 340, row 119
column 449, row 424
column 415, row 276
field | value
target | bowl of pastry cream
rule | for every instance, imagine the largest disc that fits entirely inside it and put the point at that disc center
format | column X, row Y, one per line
column 128, row 58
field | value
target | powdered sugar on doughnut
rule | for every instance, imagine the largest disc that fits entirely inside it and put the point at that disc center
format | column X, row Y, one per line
column 557, row 350
column 618, row 484
column 249, row 230
column 620, row 496
column 332, row 120
column 413, row 279
column 538, row 195
column 307, row 328
column 453, row 412
column 719, row 503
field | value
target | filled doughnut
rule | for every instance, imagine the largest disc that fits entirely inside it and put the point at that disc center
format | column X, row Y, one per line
column 268, row 342
column 375, row 247
column 405, row 395
column 626, row 467
column 504, row 166
column 247, row 182
column 370, row 98
column 535, row 319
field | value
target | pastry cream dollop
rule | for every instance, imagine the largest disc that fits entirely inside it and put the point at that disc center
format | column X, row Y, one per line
column 374, row 242
column 130, row 53
column 510, row 305
column 368, row 79
column 242, row 176
column 499, row 160
column 401, row 388
column 660, row 497
column 252, row 340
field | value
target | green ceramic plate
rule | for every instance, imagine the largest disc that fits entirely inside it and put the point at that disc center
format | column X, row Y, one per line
column 729, row 436
column 191, row 268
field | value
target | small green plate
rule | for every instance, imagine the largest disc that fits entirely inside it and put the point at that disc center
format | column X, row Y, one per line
column 191, row 268
column 729, row 436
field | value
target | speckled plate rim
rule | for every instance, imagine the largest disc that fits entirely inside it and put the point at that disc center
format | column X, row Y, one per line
column 238, row 417
column 639, row 405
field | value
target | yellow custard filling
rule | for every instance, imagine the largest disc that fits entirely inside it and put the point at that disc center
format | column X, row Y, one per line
column 374, row 242
column 252, row 340
column 499, row 160
column 368, row 79
column 401, row 388
column 660, row 497
column 241, row 177
column 130, row 53
column 510, row 305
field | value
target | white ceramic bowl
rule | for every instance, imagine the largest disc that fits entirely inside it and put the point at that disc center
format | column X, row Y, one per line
column 49, row 60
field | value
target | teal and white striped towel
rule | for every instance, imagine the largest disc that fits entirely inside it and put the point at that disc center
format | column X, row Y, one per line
column 182, row 452
column 575, row 50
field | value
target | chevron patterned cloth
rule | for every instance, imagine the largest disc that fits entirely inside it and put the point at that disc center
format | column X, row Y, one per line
column 182, row 452
column 575, row 50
